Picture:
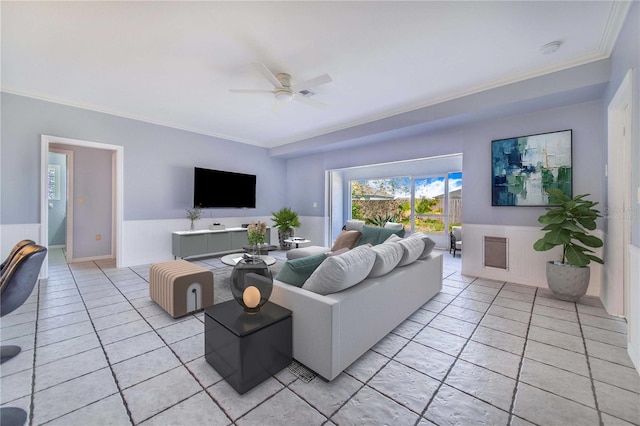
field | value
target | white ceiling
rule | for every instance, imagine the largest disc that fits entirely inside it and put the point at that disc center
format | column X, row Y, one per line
column 172, row 63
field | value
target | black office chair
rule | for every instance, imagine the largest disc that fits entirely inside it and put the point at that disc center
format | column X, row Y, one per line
column 18, row 278
column 13, row 252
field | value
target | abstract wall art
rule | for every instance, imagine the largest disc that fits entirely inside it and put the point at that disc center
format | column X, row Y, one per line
column 524, row 167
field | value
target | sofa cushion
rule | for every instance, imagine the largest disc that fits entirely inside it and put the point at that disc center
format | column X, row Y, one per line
column 375, row 235
column 429, row 244
column 413, row 248
column 347, row 239
column 338, row 273
column 388, row 255
column 353, row 225
column 297, row 271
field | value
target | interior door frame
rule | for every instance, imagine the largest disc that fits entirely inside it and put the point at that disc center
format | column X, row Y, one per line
column 117, row 191
column 619, row 112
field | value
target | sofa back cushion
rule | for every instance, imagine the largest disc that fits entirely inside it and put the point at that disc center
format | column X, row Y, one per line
column 347, row 239
column 388, row 256
column 429, row 244
column 338, row 273
column 413, row 248
column 375, row 235
column 353, row 225
column 297, row 271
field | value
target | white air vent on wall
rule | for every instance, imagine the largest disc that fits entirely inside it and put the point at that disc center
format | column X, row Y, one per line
column 496, row 251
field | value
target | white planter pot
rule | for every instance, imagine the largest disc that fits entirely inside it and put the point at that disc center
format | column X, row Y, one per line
column 568, row 282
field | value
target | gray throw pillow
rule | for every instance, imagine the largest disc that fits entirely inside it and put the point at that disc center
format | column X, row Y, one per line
column 388, row 255
column 429, row 244
column 338, row 273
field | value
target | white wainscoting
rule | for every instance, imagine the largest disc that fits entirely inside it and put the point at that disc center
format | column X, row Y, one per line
column 11, row 234
column 526, row 266
column 633, row 336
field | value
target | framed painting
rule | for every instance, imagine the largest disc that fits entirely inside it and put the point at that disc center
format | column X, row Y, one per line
column 525, row 167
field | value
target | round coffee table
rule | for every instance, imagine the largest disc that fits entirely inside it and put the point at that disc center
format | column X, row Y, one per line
column 233, row 258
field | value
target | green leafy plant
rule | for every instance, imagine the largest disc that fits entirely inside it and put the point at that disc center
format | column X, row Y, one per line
column 285, row 218
column 380, row 220
column 256, row 232
column 567, row 224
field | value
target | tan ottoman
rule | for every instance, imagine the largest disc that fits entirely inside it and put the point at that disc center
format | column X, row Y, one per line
column 180, row 287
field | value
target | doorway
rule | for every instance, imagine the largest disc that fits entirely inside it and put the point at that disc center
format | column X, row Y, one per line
column 114, row 193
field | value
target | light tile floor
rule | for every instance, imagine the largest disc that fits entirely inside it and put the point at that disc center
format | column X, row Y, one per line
column 97, row 350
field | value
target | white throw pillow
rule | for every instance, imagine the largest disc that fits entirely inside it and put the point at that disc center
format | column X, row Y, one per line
column 388, row 256
column 429, row 244
column 413, row 248
column 338, row 273
column 393, row 225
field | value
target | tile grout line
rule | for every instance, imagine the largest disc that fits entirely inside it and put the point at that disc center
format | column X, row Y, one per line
column 33, row 372
column 183, row 364
column 586, row 352
column 524, row 350
column 457, row 357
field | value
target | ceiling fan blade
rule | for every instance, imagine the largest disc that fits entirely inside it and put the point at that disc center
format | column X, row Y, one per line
column 310, row 101
column 268, row 75
column 250, row 91
column 307, row 84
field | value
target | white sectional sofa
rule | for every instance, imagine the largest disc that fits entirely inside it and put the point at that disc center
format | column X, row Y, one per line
column 330, row 332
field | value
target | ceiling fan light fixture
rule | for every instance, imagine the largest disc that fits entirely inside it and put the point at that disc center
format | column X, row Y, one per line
column 284, row 96
column 552, row 47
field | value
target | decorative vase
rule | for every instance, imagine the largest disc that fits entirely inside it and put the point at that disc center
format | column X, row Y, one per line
column 288, row 234
column 193, row 225
column 251, row 283
column 568, row 282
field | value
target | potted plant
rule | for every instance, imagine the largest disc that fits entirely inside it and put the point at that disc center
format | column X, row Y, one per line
column 567, row 225
column 285, row 220
column 193, row 214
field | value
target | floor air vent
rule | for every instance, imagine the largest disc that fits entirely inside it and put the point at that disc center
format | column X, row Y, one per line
column 301, row 372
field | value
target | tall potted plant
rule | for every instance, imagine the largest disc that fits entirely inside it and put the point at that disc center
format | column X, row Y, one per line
column 285, row 220
column 567, row 225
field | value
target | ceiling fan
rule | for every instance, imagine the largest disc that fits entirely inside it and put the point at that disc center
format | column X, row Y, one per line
column 284, row 91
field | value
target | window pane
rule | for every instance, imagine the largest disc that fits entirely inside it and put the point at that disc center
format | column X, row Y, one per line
column 430, row 224
column 378, row 201
column 455, row 199
column 429, row 206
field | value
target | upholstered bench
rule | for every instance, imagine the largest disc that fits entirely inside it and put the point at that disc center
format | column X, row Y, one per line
column 180, row 287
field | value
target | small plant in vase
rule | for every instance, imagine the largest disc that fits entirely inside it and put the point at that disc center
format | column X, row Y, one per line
column 256, row 234
column 194, row 214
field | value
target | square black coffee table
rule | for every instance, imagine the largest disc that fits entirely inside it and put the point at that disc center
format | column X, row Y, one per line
column 246, row 349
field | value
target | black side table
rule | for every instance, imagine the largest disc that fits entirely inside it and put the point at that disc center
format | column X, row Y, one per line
column 246, row 349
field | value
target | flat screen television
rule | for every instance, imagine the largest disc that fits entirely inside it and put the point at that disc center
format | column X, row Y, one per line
column 217, row 189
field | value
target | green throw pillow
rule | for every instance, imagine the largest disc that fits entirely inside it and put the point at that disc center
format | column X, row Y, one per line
column 296, row 271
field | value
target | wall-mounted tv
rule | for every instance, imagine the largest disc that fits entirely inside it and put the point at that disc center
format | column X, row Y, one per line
column 217, row 189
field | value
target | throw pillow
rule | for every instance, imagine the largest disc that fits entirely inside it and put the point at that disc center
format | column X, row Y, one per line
column 347, row 239
column 413, row 248
column 429, row 244
column 295, row 272
column 388, row 255
column 386, row 232
column 338, row 273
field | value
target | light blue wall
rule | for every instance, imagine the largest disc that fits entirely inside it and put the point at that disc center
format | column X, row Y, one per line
column 626, row 56
column 474, row 142
column 158, row 161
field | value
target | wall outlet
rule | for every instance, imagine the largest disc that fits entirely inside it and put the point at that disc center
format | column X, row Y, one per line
column 98, row 237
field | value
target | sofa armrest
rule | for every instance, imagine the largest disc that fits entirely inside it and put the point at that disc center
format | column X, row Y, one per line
column 315, row 334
